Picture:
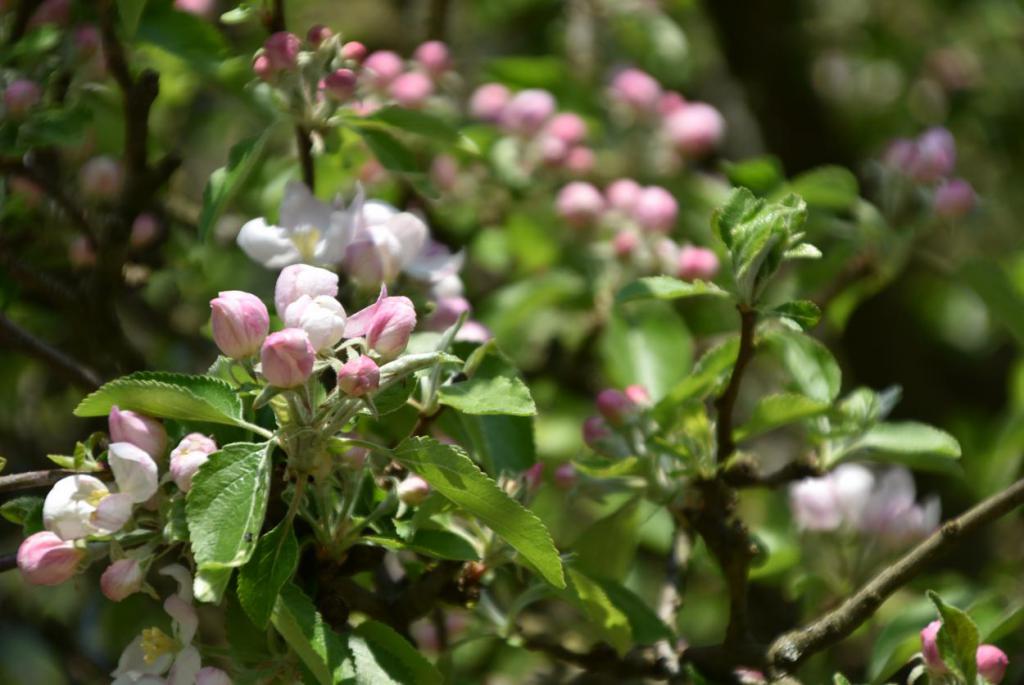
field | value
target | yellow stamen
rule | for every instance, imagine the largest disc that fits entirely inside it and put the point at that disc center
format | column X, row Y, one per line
column 96, row 496
column 306, row 241
column 155, row 643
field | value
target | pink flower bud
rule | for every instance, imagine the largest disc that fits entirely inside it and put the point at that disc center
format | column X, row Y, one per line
column 261, row 67
column 413, row 490
column 433, row 56
column 81, row 253
column 301, row 279
column 359, row 376
column 411, row 89
column 135, row 472
column 656, row 209
column 20, row 96
column 567, row 127
column 474, row 332
column 353, row 50
column 900, row 154
column 954, row 198
column 992, row 663
column 145, row 230
column 51, row 12
column 384, row 67
column 488, row 102
column 579, row 203
column 101, row 178
column 386, row 325
column 287, row 358
column 527, row 111
column 624, row 243
column 240, row 323
column 318, row 34
column 636, row 89
column 322, row 317
column 192, row 452
column 565, row 476
column 45, row 559
column 595, row 431
column 615, row 406
column 447, row 312
column 140, row 430
column 623, row 194
column 534, row 476
column 930, row 648
column 444, row 172
column 670, row 102
column 552, row 150
column 340, row 84
column 580, row 160
column 208, row 675
column 696, row 129
column 697, row 263
column 282, row 49
column 638, row 395
column 202, row 8
column 87, row 40
column 121, row 579
column 935, row 156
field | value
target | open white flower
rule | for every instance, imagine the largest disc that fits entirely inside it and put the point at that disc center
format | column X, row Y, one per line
column 158, row 658
column 310, row 231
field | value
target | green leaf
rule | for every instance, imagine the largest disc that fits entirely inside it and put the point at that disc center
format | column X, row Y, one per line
column 958, row 640
column 529, row 72
column 183, row 34
column 803, row 313
column 906, row 441
column 167, row 395
column 440, row 544
column 456, row 477
column 25, row 511
column 646, row 626
column 54, row 128
column 760, row 174
column 775, row 411
column 211, row 584
column 226, row 181
column 828, row 187
column 809, row 363
column 503, row 444
column 383, row 657
column 710, row 370
column 1001, row 295
column 416, row 121
column 389, row 151
column 493, row 388
column 320, row 649
column 607, row 547
column 666, row 288
column 840, row 679
column 646, row 344
column 272, row 565
column 131, row 12
column 226, row 504
column 591, row 598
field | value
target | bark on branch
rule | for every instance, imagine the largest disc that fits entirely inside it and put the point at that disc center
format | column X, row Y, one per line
column 35, row 479
column 726, row 402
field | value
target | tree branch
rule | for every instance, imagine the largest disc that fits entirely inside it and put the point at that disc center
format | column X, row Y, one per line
column 726, row 402
column 8, row 562
column 51, row 186
column 744, row 474
column 35, row 479
column 71, row 369
column 791, row 649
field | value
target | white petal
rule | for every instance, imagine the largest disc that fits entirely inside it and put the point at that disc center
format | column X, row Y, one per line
column 182, row 576
column 269, row 245
column 186, row 621
column 411, row 236
column 377, row 212
column 435, row 263
column 67, row 510
column 301, row 208
column 134, row 470
column 112, row 513
column 132, row 664
column 186, row 667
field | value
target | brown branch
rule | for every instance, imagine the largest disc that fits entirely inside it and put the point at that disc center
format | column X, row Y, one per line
column 52, row 187
column 304, row 145
column 744, row 474
column 437, row 19
column 8, row 562
column 791, row 649
column 35, row 479
column 726, row 402
column 72, row 370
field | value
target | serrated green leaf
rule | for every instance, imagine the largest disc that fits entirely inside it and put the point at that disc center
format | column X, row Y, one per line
column 272, row 565
column 905, row 442
column 646, row 626
column 439, row 544
column 226, row 181
column 666, row 288
column 184, row 34
column 383, row 657
column 829, row 187
column 25, row 511
column 709, row 371
column 416, row 121
column 503, row 444
column 803, row 313
column 591, row 598
column 454, row 475
column 389, row 151
column 226, row 504
column 131, row 12
column 167, row 395
column 775, row 411
column 607, row 547
column 809, row 363
column 759, row 174
column 322, row 651
column 958, row 640
column 647, row 344
column 493, row 388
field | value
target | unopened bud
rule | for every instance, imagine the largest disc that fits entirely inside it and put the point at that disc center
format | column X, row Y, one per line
column 527, row 111
column 282, row 49
column 45, row 559
column 87, row 40
column 145, row 230
column 930, row 648
column 534, row 476
column 934, row 157
column 301, row 279
column 636, row 89
column 565, row 476
column 121, row 579
column 353, row 50
column 261, row 67
column 359, row 376
column 580, row 160
column 954, row 199
column 623, row 194
column 413, row 490
column 697, row 263
column 384, row 66
column 567, row 127
column 411, row 89
column 101, row 178
column 240, row 323
column 340, row 84
column 318, row 34
column 193, row 451
column 695, row 129
column 488, row 102
column 322, row 317
column 433, row 56
column 145, row 432
column 656, row 209
column 287, row 358
column 20, row 96
column 992, row 663
column 81, row 253
column 579, row 203
column 615, row 406
column 386, row 325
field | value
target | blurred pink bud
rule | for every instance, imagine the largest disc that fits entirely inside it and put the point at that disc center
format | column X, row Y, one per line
column 51, row 12
column 384, row 67
column 814, row 505
column 655, row 209
column 81, row 253
column 624, row 243
column 670, row 102
column 192, row 452
column 411, row 89
column 474, row 332
column 145, row 432
column 101, row 178
column 208, row 675
column 552, row 150
column 697, row 263
column 287, row 358
column 122, row 578
column 622, row 194
column 340, row 84
column 301, row 279
column 615, row 406
column 567, row 127
column 444, row 172
column 488, row 102
column 282, row 49
column 413, row 490
column 240, row 322
column 749, row 676
column 595, row 431
column 935, row 156
column 930, row 648
column 261, row 67
column 386, row 325
column 20, row 96
column 580, row 160
column 318, row 34
column 636, row 89
column 433, row 56
column 87, row 40
column 954, row 198
column 447, row 312
column 355, row 458
column 534, row 476
column 202, row 8
column 322, row 317
column 527, row 111
column 353, row 50
column 29, row 192
column 359, row 376
column 900, row 154
column 696, row 129
column 565, row 476
column 579, row 203
column 145, row 230
column 45, row 559
column 992, row 663
column 638, row 395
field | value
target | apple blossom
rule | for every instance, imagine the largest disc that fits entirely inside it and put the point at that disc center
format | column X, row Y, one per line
column 383, row 66
column 386, row 324
column 636, row 89
column 359, row 376
column 411, row 89
column 20, row 96
column 992, row 663
column 580, row 159
column 474, row 332
column 287, row 358
column 210, row 675
column 146, row 433
column 655, row 209
column 567, row 127
column 697, row 263
column 240, row 322
column 301, row 280
column 695, row 129
column 70, row 508
column 433, row 56
column 579, row 203
column 413, row 490
column 282, row 49
column 322, row 317
column 488, row 102
column 45, row 559
column 192, row 452
column 121, row 579
column 622, row 194
column 134, row 471
column 528, row 110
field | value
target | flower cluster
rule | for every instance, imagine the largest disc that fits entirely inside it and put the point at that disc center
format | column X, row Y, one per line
column 989, row 659
column 929, row 161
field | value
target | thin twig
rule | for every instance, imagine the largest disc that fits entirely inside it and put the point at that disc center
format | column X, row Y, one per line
column 51, row 186
column 791, row 649
column 744, row 474
column 726, row 402
column 72, row 370
column 36, row 479
column 8, row 562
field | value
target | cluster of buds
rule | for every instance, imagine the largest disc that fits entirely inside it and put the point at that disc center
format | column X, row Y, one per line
column 637, row 221
column 619, row 413
column 929, row 161
column 990, row 660
column 564, row 477
column 852, row 498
